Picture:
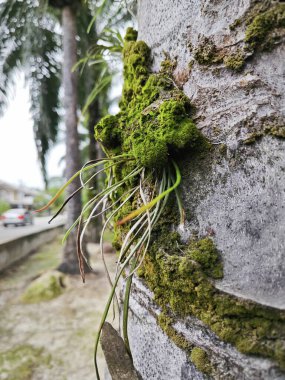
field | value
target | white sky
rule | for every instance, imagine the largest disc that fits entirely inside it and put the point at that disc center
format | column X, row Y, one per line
column 18, row 156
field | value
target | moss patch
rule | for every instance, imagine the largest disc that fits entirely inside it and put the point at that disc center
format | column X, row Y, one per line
column 263, row 32
column 165, row 322
column 206, row 52
column 154, row 121
column 180, row 277
column 269, row 127
column 48, row 286
column 201, row 361
column 154, row 125
column 265, row 27
column 19, row 363
column 235, row 61
column 198, row 356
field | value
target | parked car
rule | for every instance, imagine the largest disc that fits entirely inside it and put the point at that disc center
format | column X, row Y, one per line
column 17, row 217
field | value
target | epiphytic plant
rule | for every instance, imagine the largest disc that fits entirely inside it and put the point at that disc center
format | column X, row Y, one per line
column 142, row 144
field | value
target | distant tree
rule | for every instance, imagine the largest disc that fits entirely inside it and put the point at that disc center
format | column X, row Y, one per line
column 33, row 34
column 31, row 41
column 4, row 206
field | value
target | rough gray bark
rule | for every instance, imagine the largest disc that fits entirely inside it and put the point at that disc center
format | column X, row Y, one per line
column 70, row 262
column 157, row 357
column 236, row 194
column 242, row 189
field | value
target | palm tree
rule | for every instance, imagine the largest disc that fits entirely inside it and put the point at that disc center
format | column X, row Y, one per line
column 70, row 86
column 32, row 40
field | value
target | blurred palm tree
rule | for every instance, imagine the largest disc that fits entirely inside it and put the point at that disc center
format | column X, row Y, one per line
column 31, row 41
column 33, row 35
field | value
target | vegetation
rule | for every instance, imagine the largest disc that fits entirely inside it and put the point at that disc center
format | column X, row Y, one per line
column 20, row 362
column 34, row 34
column 262, row 32
column 30, row 41
column 200, row 359
column 151, row 125
column 181, row 277
column 48, row 286
column 4, row 206
column 264, row 29
column 141, row 143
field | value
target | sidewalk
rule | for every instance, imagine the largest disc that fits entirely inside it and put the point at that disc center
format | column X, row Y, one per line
column 53, row 339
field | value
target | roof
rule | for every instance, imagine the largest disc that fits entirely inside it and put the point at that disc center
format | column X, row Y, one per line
column 23, row 189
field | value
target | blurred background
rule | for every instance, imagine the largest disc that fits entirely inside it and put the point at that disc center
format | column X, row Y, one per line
column 60, row 73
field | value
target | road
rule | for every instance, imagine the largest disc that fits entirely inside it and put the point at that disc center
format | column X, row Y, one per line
column 40, row 223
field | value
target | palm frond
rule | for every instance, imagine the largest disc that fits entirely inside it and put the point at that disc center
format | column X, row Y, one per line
column 43, row 76
column 30, row 42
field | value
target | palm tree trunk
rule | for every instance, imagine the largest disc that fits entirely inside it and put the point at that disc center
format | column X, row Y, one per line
column 230, row 69
column 70, row 262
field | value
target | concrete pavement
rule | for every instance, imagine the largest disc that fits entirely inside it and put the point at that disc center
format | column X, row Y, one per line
column 40, row 224
column 18, row 242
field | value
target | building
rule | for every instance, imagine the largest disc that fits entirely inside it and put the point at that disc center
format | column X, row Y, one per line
column 17, row 196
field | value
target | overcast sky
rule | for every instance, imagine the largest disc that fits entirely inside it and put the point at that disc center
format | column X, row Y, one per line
column 18, row 155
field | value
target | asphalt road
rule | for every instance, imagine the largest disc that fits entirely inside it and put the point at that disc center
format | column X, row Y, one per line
column 40, row 223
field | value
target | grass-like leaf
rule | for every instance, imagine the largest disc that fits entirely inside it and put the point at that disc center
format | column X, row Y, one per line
column 142, row 209
column 108, row 204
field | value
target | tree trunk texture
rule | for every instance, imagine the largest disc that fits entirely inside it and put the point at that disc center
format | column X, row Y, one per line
column 236, row 193
column 70, row 261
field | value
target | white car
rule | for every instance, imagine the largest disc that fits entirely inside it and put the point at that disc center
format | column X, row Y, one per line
column 17, row 217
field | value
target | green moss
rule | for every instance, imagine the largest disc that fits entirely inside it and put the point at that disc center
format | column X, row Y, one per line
column 165, row 323
column 168, row 65
column 275, row 130
column 235, row 24
column 108, row 132
column 197, row 355
column 201, row 361
column 48, row 286
column 205, row 253
column 235, row 61
column 259, row 33
column 257, row 7
column 180, row 277
column 131, row 34
column 206, row 52
column 264, row 28
column 154, row 121
column 19, row 363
